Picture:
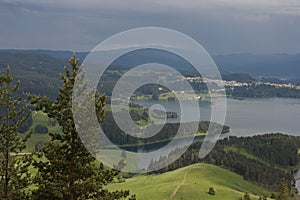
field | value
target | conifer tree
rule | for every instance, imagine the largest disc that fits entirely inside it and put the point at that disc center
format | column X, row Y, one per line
column 247, row 196
column 70, row 171
column 283, row 190
column 14, row 163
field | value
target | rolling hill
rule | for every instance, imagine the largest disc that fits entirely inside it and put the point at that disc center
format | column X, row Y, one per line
column 191, row 182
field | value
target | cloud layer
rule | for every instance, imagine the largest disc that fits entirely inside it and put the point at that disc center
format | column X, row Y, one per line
column 222, row 26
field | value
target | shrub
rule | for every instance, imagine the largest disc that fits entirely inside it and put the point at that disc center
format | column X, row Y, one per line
column 211, row 191
column 40, row 129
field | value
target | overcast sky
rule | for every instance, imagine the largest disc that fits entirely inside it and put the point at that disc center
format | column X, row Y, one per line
column 221, row 26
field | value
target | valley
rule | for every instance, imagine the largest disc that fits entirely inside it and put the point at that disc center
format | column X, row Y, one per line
column 230, row 169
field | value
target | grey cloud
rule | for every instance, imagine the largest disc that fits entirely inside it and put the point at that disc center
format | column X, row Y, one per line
column 221, row 26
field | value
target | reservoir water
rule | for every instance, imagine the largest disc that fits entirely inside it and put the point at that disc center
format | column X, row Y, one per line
column 246, row 117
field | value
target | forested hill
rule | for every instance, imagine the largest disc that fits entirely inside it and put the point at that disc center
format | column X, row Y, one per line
column 38, row 72
column 263, row 159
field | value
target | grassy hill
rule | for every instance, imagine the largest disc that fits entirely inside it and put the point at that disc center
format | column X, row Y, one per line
column 191, row 182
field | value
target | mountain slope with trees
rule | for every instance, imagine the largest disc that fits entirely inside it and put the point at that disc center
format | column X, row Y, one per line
column 262, row 159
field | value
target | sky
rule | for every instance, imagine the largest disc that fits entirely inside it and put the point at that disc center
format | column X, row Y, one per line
column 220, row 26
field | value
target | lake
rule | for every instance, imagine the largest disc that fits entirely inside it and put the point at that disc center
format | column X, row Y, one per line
column 245, row 117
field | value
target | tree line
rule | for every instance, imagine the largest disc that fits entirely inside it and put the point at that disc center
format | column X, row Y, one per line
column 168, row 132
column 262, row 91
column 264, row 159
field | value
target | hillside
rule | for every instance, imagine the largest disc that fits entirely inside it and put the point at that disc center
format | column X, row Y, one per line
column 191, row 182
column 38, row 72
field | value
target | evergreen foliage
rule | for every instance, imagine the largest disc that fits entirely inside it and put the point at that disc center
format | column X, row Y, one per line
column 69, row 171
column 41, row 129
column 14, row 175
column 283, row 190
column 247, row 156
column 211, row 191
column 247, row 196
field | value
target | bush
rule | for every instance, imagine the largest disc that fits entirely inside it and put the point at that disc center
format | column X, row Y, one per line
column 211, row 191
column 41, row 129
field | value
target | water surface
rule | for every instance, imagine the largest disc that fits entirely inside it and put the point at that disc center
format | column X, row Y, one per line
column 246, row 117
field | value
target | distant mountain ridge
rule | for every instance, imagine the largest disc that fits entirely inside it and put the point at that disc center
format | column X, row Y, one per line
column 53, row 53
column 39, row 70
column 268, row 65
column 285, row 66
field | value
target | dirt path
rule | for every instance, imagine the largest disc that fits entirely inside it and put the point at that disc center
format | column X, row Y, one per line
column 182, row 182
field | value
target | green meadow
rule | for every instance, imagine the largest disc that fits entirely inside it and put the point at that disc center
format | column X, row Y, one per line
column 191, row 183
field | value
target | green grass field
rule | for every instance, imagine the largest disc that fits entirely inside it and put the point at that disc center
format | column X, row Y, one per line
column 41, row 118
column 190, row 183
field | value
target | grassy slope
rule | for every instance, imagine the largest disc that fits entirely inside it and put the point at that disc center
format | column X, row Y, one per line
column 42, row 119
column 199, row 177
